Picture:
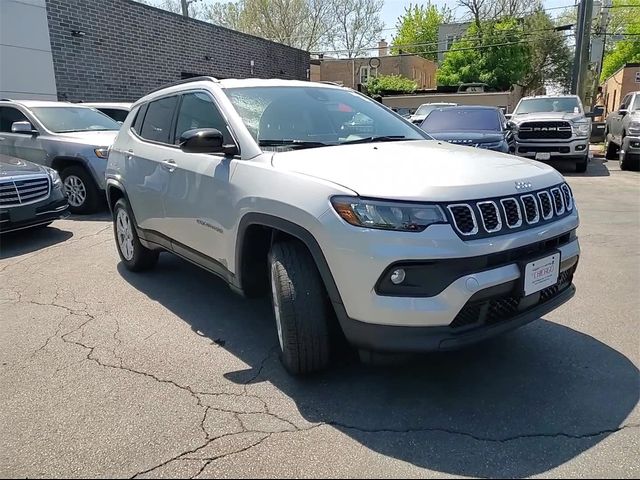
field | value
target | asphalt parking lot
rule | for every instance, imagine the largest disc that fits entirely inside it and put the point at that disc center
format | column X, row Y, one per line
column 167, row 373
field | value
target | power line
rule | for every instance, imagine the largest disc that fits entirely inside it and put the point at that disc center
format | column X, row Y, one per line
column 477, row 47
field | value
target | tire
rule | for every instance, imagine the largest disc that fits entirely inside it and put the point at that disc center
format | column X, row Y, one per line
column 581, row 165
column 626, row 161
column 300, row 308
column 135, row 256
column 610, row 148
column 80, row 189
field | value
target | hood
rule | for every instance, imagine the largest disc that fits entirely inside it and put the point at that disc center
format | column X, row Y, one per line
column 99, row 138
column 547, row 116
column 468, row 138
column 419, row 170
column 11, row 166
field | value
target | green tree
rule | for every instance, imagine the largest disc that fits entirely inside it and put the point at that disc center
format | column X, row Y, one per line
column 390, row 84
column 418, row 29
column 498, row 57
column 622, row 21
column 550, row 59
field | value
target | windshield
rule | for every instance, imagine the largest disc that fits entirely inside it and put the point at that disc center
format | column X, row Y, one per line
column 540, row 105
column 74, row 119
column 636, row 103
column 426, row 109
column 460, row 119
column 316, row 116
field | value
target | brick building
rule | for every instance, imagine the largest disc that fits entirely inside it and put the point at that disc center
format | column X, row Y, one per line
column 625, row 80
column 355, row 72
column 117, row 50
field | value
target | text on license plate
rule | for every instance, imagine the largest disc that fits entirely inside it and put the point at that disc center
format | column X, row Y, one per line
column 541, row 273
column 543, row 156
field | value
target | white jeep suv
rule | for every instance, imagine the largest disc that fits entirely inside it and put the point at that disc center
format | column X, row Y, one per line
column 353, row 218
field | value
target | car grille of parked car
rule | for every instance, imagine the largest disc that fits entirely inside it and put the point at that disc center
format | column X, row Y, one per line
column 508, row 214
column 503, row 307
column 544, row 130
column 17, row 192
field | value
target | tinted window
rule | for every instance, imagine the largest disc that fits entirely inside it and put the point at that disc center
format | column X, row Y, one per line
column 428, row 108
column 157, row 122
column 74, row 119
column 197, row 110
column 8, row 115
column 117, row 114
column 552, row 104
column 626, row 101
column 137, row 123
column 328, row 116
column 458, row 119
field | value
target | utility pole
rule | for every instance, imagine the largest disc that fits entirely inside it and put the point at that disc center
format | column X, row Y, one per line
column 583, row 43
column 185, row 7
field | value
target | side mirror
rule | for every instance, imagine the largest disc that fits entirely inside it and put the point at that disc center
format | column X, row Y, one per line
column 508, row 116
column 510, row 125
column 623, row 111
column 23, row 127
column 205, row 140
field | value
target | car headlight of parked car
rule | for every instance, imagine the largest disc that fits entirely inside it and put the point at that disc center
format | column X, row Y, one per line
column 582, row 129
column 56, row 182
column 102, row 152
column 633, row 128
column 490, row 145
column 384, row 215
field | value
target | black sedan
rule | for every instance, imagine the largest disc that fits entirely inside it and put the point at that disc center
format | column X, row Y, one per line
column 31, row 195
column 475, row 126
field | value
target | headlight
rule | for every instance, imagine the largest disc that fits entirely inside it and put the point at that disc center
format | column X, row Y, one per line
column 102, row 152
column 582, row 129
column 633, row 128
column 55, row 178
column 380, row 214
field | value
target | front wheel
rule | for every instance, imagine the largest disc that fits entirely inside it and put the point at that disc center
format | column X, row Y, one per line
column 135, row 256
column 581, row 165
column 610, row 148
column 627, row 162
column 80, row 190
column 300, row 308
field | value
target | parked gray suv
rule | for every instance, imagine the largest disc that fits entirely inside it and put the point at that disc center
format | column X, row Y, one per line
column 622, row 133
column 72, row 139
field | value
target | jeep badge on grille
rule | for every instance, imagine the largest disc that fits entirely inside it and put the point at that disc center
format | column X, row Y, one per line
column 523, row 186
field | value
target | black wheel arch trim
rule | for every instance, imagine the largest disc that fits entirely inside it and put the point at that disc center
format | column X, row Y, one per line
column 305, row 237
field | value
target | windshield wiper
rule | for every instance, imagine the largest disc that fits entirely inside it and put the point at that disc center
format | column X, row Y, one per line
column 379, row 138
column 291, row 143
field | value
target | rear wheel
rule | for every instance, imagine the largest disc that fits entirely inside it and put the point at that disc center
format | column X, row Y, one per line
column 135, row 256
column 80, row 189
column 300, row 308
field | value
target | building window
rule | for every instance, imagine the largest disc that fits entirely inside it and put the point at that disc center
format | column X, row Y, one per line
column 367, row 72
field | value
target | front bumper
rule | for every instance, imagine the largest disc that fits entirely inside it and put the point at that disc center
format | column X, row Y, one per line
column 27, row 216
column 431, row 320
column 558, row 150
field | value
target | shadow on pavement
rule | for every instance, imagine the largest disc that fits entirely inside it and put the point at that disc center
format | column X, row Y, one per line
column 100, row 216
column 29, row 240
column 477, row 412
column 597, row 168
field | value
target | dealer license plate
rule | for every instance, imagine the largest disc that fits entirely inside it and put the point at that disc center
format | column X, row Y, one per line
column 541, row 273
column 543, row 156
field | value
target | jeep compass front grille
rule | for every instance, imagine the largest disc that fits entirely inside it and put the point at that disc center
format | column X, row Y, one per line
column 499, row 216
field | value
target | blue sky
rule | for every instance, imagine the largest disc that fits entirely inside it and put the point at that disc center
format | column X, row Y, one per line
column 392, row 9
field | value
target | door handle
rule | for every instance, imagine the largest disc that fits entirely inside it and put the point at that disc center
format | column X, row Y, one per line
column 169, row 165
column 129, row 154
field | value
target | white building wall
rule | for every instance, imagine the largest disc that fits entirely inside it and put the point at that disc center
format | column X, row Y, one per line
column 26, row 63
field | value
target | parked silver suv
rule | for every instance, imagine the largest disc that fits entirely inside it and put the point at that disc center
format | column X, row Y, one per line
column 353, row 218
column 622, row 133
column 552, row 128
column 69, row 138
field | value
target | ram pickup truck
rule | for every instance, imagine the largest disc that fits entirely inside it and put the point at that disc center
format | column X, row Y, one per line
column 552, row 128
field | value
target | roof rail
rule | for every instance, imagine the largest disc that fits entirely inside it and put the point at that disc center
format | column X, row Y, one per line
column 181, row 82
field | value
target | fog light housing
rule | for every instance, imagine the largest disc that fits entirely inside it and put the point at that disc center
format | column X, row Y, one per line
column 579, row 148
column 398, row 276
column 635, row 144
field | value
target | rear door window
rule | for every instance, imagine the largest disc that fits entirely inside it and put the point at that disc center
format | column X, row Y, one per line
column 156, row 126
